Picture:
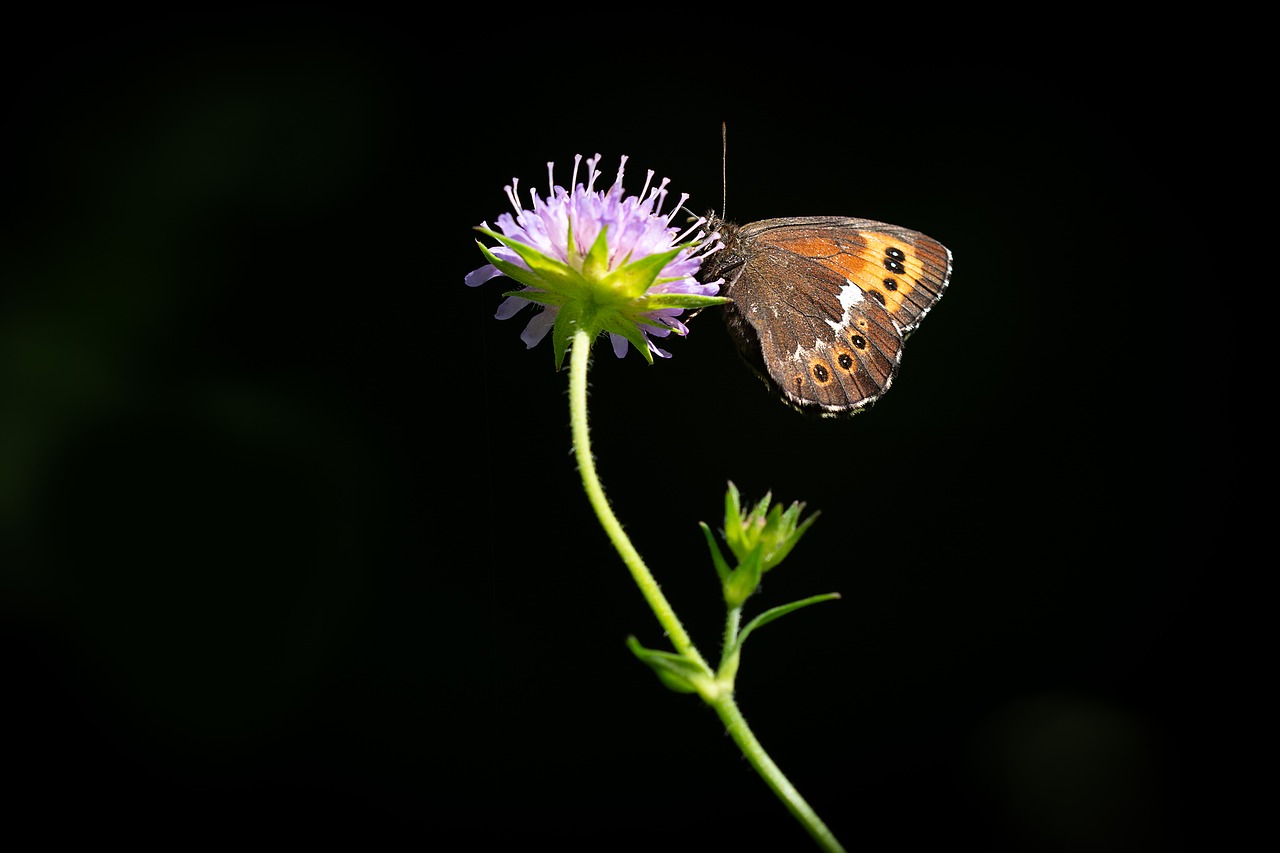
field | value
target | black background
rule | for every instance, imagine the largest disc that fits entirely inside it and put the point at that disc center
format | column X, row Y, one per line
column 295, row 548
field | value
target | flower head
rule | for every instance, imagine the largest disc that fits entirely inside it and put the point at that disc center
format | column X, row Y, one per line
column 601, row 261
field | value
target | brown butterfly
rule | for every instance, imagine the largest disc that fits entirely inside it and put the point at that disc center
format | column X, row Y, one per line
column 822, row 304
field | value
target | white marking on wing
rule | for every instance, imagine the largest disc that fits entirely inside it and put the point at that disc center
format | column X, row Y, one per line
column 850, row 295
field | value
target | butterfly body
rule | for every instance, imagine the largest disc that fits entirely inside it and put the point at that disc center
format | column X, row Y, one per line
column 822, row 304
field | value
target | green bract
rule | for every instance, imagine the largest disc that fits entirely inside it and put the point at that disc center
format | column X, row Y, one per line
column 765, row 529
column 589, row 295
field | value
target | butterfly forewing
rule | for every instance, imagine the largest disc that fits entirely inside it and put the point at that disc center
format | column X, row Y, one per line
column 903, row 270
column 914, row 270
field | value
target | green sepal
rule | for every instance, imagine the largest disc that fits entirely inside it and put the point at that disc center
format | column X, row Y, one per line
column 776, row 612
column 510, row 270
column 676, row 672
column 763, row 526
column 682, row 300
column 745, row 579
column 717, row 558
column 543, row 267
column 633, row 280
column 788, row 519
column 732, row 511
column 542, row 297
column 567, row 321
column 634, row 336
column 596, row 262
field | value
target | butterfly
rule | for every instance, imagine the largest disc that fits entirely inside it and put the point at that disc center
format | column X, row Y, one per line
column 822, row 304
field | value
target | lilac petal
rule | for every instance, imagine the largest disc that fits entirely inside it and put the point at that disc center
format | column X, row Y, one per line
column 510, row 307
column 502, row 253
column 480, row 276
column 538, row 327
column 620, row 344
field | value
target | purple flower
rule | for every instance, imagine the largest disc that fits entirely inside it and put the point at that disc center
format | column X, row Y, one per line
column 599, row 260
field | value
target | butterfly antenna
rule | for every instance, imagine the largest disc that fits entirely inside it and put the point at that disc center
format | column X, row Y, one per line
column 724, row 168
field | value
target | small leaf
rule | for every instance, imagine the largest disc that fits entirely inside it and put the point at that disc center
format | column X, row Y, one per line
column 676, row 672
column 782, row 610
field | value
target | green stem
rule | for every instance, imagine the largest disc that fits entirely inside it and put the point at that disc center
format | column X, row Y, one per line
column 736, row 725
column 718, row 693
column 732, row 624
column 579, row 361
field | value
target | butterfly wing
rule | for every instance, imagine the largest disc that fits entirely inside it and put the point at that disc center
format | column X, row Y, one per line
column 826, row 303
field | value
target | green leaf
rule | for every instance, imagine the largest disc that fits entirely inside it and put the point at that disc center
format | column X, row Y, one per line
column 675, row 671
column 782, row 610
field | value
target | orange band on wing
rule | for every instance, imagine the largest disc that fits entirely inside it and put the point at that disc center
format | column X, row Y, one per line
column 866, row 262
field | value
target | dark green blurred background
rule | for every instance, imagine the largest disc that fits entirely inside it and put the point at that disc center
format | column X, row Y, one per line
column 294, row 547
